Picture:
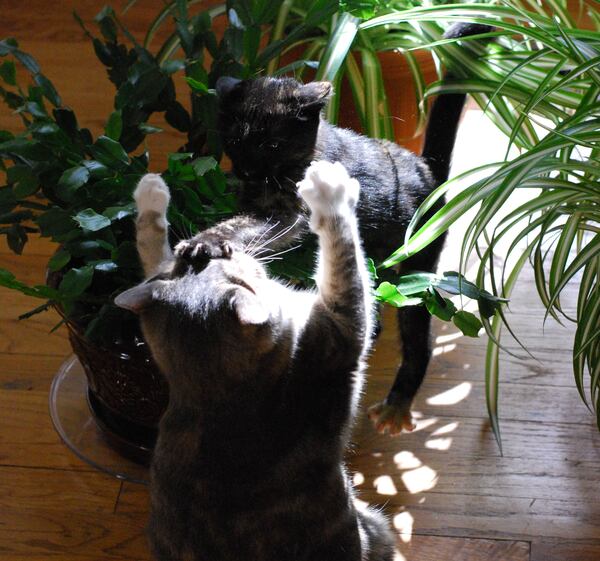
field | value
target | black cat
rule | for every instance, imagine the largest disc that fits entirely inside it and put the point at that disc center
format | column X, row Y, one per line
column 272, row 130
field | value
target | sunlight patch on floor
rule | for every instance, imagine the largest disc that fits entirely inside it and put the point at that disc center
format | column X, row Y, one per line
column 407, row 460
column 385, row 485
column 358, row 478
column 439, row 443
column 450, row 427
column 404, row 522
column 452, row 396
column 421, row 424
column 443, row 349
column 421, row 479
column 442, row 339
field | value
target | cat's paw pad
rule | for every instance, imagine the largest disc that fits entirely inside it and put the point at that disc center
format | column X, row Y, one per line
column 328, row 190
column 203, row 249
column 152, row 194
column 391, row 418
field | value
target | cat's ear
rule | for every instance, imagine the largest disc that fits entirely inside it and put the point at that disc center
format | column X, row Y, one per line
column 137, row 298
column 248, row 309
column 226, row 86
column 313, row 95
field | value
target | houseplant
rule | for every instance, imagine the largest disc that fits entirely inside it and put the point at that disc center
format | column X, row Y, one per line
column 540, row 85
column 76, row 189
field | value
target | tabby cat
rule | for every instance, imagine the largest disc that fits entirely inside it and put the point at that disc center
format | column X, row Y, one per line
column 272, row 129
column 264, row 383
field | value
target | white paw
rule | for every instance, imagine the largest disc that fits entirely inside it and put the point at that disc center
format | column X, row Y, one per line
column 328, row 190
column 152, row 193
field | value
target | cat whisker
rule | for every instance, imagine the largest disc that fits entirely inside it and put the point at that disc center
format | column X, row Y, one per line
column 279, row 234
column 276, row 255
column 254, row 246
column 265, row 243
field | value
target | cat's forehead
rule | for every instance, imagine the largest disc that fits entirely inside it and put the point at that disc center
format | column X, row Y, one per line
column 269, row 97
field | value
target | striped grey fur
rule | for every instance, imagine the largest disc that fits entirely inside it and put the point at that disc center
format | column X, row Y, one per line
column 264, row 382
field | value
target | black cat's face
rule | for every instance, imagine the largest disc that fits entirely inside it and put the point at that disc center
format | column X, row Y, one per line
column 269, row 127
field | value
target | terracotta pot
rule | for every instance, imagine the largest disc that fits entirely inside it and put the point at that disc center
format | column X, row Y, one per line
column 400, row 88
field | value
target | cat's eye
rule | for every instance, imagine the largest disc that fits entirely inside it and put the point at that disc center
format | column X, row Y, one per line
column 272, row 145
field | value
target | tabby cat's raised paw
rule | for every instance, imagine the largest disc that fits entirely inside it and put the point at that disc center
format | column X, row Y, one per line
column 152, row 194
column 328, row 191
column 391, row 418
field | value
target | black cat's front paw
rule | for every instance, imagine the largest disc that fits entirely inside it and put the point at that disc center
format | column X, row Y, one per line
column 203, row 248
column 392, row 416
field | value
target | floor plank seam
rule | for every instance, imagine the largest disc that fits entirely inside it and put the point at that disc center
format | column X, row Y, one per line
column 118, row 498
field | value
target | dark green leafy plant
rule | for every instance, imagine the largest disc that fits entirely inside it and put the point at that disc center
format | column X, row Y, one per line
column 76, row 190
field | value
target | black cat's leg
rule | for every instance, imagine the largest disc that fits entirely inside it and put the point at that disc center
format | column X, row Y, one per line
column 394, row 413
column 414, row 323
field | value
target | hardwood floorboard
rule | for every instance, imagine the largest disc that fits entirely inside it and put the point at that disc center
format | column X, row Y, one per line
column 71, row 536
column 27, row 437
column 435, row 548
column 554, row 550
column 33, row 490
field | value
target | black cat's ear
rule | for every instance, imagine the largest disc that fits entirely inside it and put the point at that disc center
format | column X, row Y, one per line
column 248, row 309
column 226, row 86
column 313, row 95
column 137, row 298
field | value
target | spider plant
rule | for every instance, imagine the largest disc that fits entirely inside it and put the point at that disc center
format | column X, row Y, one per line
column 540, row 84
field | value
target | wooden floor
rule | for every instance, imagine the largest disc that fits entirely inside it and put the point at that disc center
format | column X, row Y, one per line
column 447, row 489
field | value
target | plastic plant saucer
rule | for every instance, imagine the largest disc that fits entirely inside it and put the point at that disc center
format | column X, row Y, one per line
column 79, row 429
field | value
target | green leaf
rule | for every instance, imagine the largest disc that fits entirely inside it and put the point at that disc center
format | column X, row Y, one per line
column 114, row 125
column 148, row 129
column 71, row 180
column 105, row 265
column 119, row 212
column 468, row 323
column 8, row 72
column 197, row 86
column 202, row 165
column 16, row 237
column 59, row 260
column 91, row 221
column 109, row 152
column 49, row 91
column 338, row 45
column 55, row 222
column 372, row 269
column 98, row 170
column 8, row 280
column 24, row 181
column 443, row 308
column 76, row 281
column 415, row 283
column 388, row 293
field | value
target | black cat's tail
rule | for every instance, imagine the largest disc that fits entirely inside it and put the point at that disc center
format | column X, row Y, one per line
column 445, row 114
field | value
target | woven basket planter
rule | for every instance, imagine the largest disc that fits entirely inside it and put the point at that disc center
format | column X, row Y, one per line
column 127, row 394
